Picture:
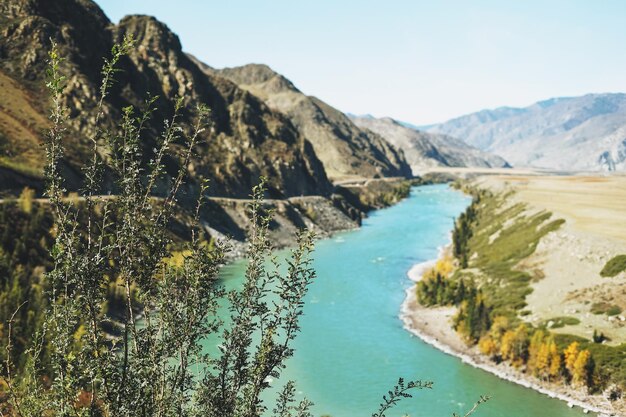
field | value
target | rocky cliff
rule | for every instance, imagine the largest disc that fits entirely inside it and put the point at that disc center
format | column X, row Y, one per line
column 345, row 150
column 250, row 135
column 249, row 139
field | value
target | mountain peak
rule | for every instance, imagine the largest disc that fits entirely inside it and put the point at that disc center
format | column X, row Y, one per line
column 57, row 12
column 150, row 33
column 257, row 74
column 344, row 149
column 247, row 140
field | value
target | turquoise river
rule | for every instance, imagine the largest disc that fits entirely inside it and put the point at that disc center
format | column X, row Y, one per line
column 353, row 347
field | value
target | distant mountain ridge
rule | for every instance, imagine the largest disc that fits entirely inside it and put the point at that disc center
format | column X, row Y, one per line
column 566, row 133
column 425, row 150
column 344, row 149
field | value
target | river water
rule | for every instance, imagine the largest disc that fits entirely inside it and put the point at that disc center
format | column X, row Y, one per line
column 353, row 347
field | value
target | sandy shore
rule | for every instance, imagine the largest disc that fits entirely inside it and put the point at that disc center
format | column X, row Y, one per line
column 433, row 326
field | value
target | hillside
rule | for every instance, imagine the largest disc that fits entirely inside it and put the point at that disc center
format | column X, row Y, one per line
column 529, row 258
column 573, row 133
column 248, row 138
column 345, row 150
column 426, row 150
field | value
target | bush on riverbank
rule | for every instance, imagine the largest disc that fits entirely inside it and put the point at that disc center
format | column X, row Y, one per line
column 614, row 266
column 375, row 194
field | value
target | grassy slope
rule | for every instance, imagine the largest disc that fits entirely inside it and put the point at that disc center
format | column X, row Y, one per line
column 614, row 266
column 503, row 236
column 21, row 124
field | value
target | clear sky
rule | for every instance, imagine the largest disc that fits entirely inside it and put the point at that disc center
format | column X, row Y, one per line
column 421, row 61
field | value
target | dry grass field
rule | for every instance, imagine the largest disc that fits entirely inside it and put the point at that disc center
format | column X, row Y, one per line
column 589, row 204
column 568, row 262
column 21, row 127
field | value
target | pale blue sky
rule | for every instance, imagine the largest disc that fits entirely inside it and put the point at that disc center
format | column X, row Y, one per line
column 421, row 61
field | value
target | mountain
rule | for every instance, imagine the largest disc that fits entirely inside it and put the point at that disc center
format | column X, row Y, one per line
column 427, row 150
column 248, row 138
column 344, row 149
column 570, row 133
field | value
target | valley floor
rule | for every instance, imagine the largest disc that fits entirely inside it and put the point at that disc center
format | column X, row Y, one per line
column 566, row 268
column 568, row 261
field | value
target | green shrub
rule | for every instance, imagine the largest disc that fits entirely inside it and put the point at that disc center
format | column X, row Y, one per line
column 605, row 308
column 559, row 322
column 613, row 311
column 614, row 266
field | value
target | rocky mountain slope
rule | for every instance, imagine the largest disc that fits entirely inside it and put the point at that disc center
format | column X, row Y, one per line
column 573, row 133
column 248, row 139
column 427, row 150
column 344, row 149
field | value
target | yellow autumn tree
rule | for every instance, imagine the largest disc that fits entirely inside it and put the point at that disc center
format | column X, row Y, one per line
column 542, row 364
column 506, row 345
column 514, row 345
column 536, row 341
column 582, row 369
column 488, row 346
column 499, row 326
column 571, row 354
column 556, row 363
column 520, row 346
column 445, row 265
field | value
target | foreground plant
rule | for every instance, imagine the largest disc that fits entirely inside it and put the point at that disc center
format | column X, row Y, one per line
column 96, row 355
column 154, row 366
